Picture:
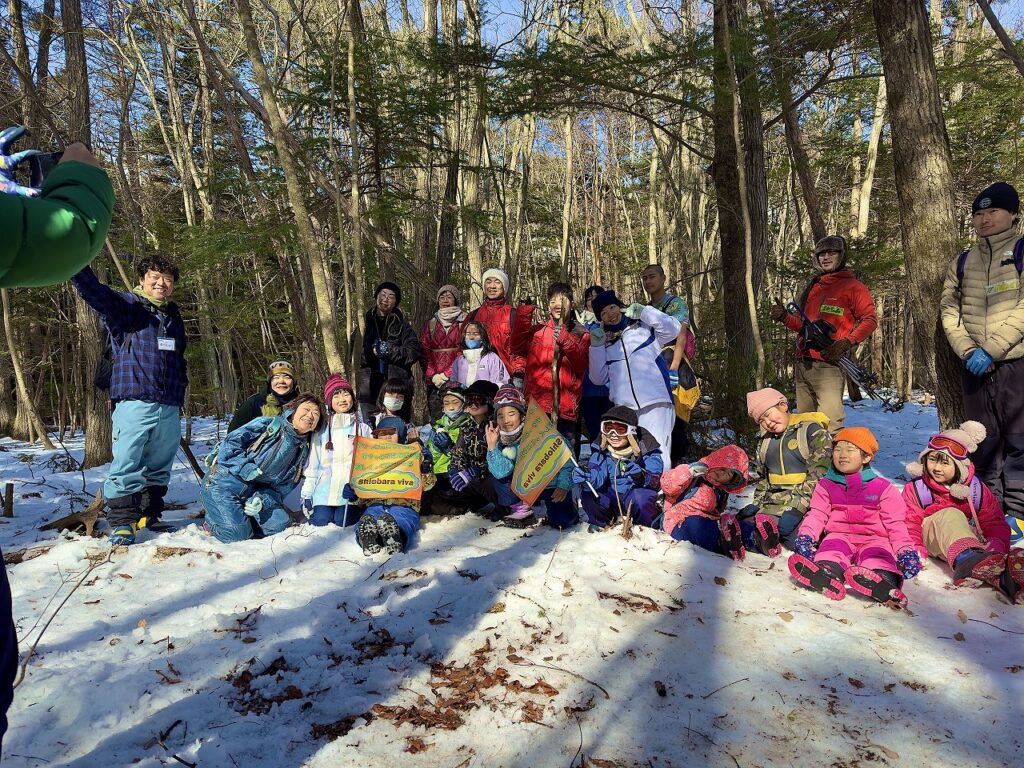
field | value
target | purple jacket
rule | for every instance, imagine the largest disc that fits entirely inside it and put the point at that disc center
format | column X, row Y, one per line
column 490, row 368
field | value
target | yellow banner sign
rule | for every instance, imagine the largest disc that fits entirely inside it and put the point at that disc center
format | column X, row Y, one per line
column 542, row 452
column 385, row 470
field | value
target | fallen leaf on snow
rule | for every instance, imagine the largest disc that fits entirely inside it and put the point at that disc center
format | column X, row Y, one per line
column 785, row 615
column 497, row 608
column 855, row 682
column 721, row 581
column 962, row 616
column 959, row 637
column 1015, row 669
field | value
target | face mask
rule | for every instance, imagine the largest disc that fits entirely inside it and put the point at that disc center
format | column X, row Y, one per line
column 474, row 343
column 394, row 404
column 453, row 414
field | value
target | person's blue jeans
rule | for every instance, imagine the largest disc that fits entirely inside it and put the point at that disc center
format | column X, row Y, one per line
column 705, row 533
column 343, row 516
column 145, row 437
column 224, row 497
column 407, row 518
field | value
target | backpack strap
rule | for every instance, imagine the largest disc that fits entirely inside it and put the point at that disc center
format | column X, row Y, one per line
column 272, row 429
column 924, row 493
column 961, row 265
column 762, row 449
column 1018, row 261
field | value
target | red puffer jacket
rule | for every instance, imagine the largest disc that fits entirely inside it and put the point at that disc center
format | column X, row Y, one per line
column 537, row 342
column 498, row 317
column 990, row 516
column 440, row 346
column 844, row 302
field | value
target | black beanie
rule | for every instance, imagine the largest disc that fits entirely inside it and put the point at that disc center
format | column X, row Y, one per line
column 622, row 414
column 388, row 285
column 998, row 195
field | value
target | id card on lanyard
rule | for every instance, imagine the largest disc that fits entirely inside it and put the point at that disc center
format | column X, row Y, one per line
column 165, row 341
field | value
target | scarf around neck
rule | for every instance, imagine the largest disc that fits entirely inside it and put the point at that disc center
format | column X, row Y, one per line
column 158, row 303
column 449, row 315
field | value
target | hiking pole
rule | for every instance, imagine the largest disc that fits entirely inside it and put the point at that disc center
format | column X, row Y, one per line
column 196, row 468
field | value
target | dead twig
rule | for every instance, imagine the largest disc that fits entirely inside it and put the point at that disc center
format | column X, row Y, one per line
column 35, row 644
column 709, row 695
column 529, row 663
column 1009, row 631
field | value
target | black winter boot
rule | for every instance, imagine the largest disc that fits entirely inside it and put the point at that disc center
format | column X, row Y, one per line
column 153, row 508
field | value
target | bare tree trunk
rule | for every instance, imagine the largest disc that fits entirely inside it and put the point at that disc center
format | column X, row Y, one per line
column 864, row 198
column 25, row 404
column 474, row 151
column 924, row 186
column 567, row 194
column 289, row 167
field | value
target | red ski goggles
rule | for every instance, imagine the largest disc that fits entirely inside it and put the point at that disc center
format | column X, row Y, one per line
column 954, row 448
column 617, row 429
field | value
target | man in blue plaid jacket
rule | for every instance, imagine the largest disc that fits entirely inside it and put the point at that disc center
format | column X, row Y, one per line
column 147, row 388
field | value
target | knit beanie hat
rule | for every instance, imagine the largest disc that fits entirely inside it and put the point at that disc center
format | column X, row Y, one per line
column 388, row 285
column 335, row 382
column 760, row 401
column 453, row 388
column 957, row 444
column 831, row 243
column 395, row 423
column 623, row 415
column 452, row 290
column 998, row 195
column 603, row 300
column 859, row 436
column 498, row 274
column 510, row 396
column 282, row 367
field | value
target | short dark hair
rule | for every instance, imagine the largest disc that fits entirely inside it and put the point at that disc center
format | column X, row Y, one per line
column 156, row 264
column 591, row 292
column 559, row 287
column 658, row 267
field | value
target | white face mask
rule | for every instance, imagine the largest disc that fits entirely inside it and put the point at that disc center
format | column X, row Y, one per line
column 453, row 414
column 393, row 404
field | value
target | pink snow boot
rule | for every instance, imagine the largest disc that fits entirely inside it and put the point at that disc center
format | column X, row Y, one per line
column 732, row 537
column 766, row 535
column 825, row 577
column 872, row 584
column 522, row 516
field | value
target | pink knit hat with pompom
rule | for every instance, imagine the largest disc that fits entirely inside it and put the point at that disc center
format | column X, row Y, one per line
column 957, row 444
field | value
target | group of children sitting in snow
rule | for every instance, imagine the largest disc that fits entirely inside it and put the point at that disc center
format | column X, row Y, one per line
column 815, row 493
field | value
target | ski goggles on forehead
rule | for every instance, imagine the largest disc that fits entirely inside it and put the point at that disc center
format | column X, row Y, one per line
column 617, row 429
column 954, row 448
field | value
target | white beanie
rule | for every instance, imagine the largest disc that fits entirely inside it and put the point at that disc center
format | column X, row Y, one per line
column 498, row 274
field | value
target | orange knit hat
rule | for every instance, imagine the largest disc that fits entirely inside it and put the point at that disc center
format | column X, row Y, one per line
column 859, row 436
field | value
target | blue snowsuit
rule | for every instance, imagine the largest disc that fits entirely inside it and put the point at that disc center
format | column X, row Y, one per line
column 260, row 460
column 631, row 484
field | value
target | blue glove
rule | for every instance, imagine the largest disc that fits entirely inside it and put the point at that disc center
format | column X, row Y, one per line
column 909, row 562
column 580, row 475
column 441, row 440
column 8, row 162
column 804, row 545
column 978, row 362
column 348, row 493
column 673, row 379
column 253, row 506
column 460, row 480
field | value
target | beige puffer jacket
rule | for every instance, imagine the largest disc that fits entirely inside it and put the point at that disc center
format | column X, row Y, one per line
column 987, row 310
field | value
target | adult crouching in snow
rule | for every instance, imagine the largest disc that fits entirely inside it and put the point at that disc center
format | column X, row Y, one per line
column 441, row 342
column 390, row 347
column 625, row 354
column 257, row 466
column 147, row 386
column 838, row 297
column 281, row 389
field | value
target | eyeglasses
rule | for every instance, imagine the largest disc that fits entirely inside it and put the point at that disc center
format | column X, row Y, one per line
column 385, row 432
column 475, row 402
column 942, row 443
column 616, row 429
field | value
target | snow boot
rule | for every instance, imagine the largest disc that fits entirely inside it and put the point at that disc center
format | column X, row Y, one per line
column 390, row 534
column 980, row 566
column 766, row 535
column 152, row 507
column 732, row 537
column 1015, row 570
column 368, row 535
column 521, row 517
column 825, row 577
column 122, row 535
column 876, row 585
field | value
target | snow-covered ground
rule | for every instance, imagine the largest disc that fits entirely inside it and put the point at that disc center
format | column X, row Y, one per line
column 486, row 647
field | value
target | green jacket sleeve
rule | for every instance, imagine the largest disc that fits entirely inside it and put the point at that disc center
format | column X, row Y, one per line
column 48, row 239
